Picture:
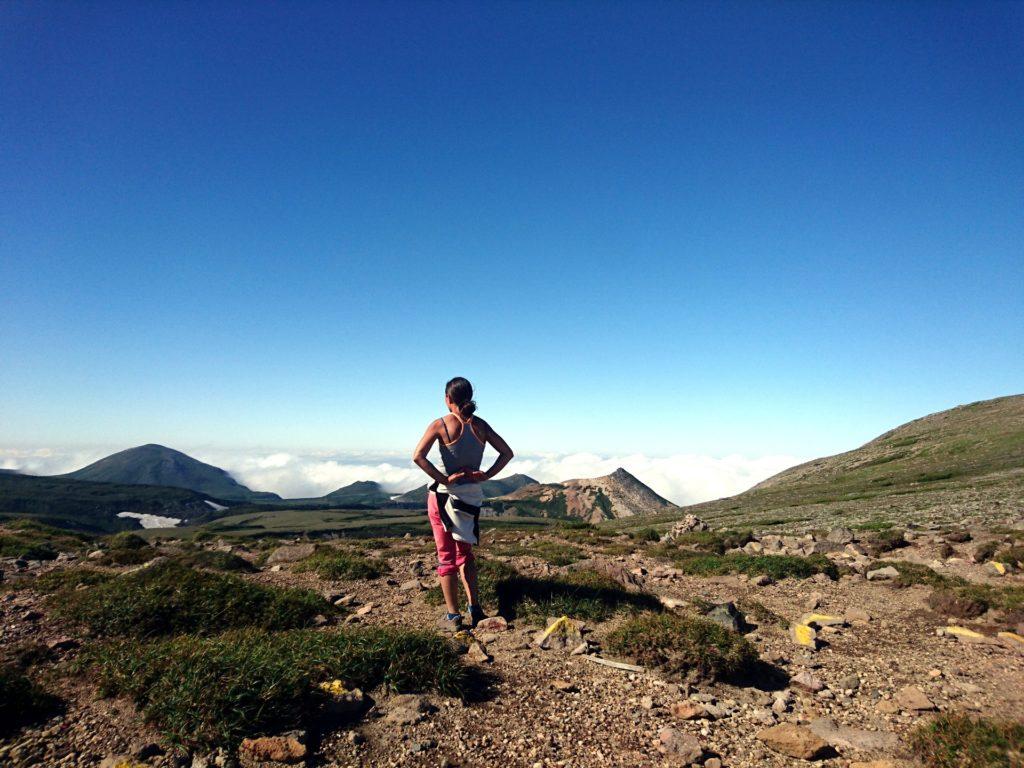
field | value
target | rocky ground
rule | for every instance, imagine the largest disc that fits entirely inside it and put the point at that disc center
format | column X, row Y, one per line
column 883, row 662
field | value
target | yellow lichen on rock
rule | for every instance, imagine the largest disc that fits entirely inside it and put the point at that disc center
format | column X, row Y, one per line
column 803, row 635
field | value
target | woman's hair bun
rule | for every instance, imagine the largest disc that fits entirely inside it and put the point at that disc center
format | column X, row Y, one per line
column 460, row 392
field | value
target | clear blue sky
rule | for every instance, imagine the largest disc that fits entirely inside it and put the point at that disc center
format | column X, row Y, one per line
column 656, row 227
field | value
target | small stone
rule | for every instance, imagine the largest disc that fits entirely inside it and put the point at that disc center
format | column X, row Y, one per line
column 363, row 610
column 412, row 585
column 647, row 702
column 813, row 601
column 795, row 741
column 712, row 762
column 850, row 682
column 686, row 710
column 564, row 686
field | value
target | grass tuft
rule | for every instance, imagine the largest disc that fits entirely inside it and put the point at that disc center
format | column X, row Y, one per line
column 959, row 741
column 170, row 598
column 215, row 561
column 339, row 564
column 687, row 646
column 201, row 692
column 776, row 566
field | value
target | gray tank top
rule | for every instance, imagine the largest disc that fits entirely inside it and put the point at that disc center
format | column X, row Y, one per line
column 465, row 453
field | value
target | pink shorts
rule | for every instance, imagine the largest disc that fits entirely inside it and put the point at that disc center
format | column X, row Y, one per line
column 451, row 554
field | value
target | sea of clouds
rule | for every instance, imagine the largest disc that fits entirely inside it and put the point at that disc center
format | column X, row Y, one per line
column 681, row 478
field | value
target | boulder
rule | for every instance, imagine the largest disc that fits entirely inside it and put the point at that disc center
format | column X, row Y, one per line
column 562, row 633
column 683, row 748
column 478, row 653
column 912, row 699
column 727, row 615
column 804, row 636
column 888, row 573
column 807, row 681
column 795, row 741
column 820, row 620
column 408, row 709
column 847, row 737
column 342, row 702
column 492, row 624
column 687, row 524
column 840, row 536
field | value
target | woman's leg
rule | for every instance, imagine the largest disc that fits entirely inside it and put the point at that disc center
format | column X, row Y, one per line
column 468, row 572
column 447, row 567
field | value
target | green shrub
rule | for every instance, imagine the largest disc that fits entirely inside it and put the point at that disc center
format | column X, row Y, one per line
column 201, row 692
column 339, row 564
column 886, row 540
column 775, row 566
column 127, row 540
column 22, row 702
column 215, row 561
column 646, row 535
column 128, row 556
column 170, row 598
column 959, row 741
column 688, row 646
column 915, row 573
column 761, row 613
column 950, row 602
column 28, row 547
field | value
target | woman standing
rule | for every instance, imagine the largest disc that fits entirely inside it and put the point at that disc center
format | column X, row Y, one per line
column 455, row 495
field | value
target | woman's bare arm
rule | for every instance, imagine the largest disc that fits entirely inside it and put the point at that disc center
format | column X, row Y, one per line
column 419, row 457
column 505, row 454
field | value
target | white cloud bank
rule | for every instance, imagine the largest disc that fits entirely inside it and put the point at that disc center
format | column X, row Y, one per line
column 681, row 478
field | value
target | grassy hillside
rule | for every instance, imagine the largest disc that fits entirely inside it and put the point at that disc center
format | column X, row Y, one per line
column 87, row 506
column 966, row 460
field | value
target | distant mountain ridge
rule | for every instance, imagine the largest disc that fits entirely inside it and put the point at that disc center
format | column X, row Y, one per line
column 496, row 487
column 153, row 464
column 365, row 492
column 610, row 497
